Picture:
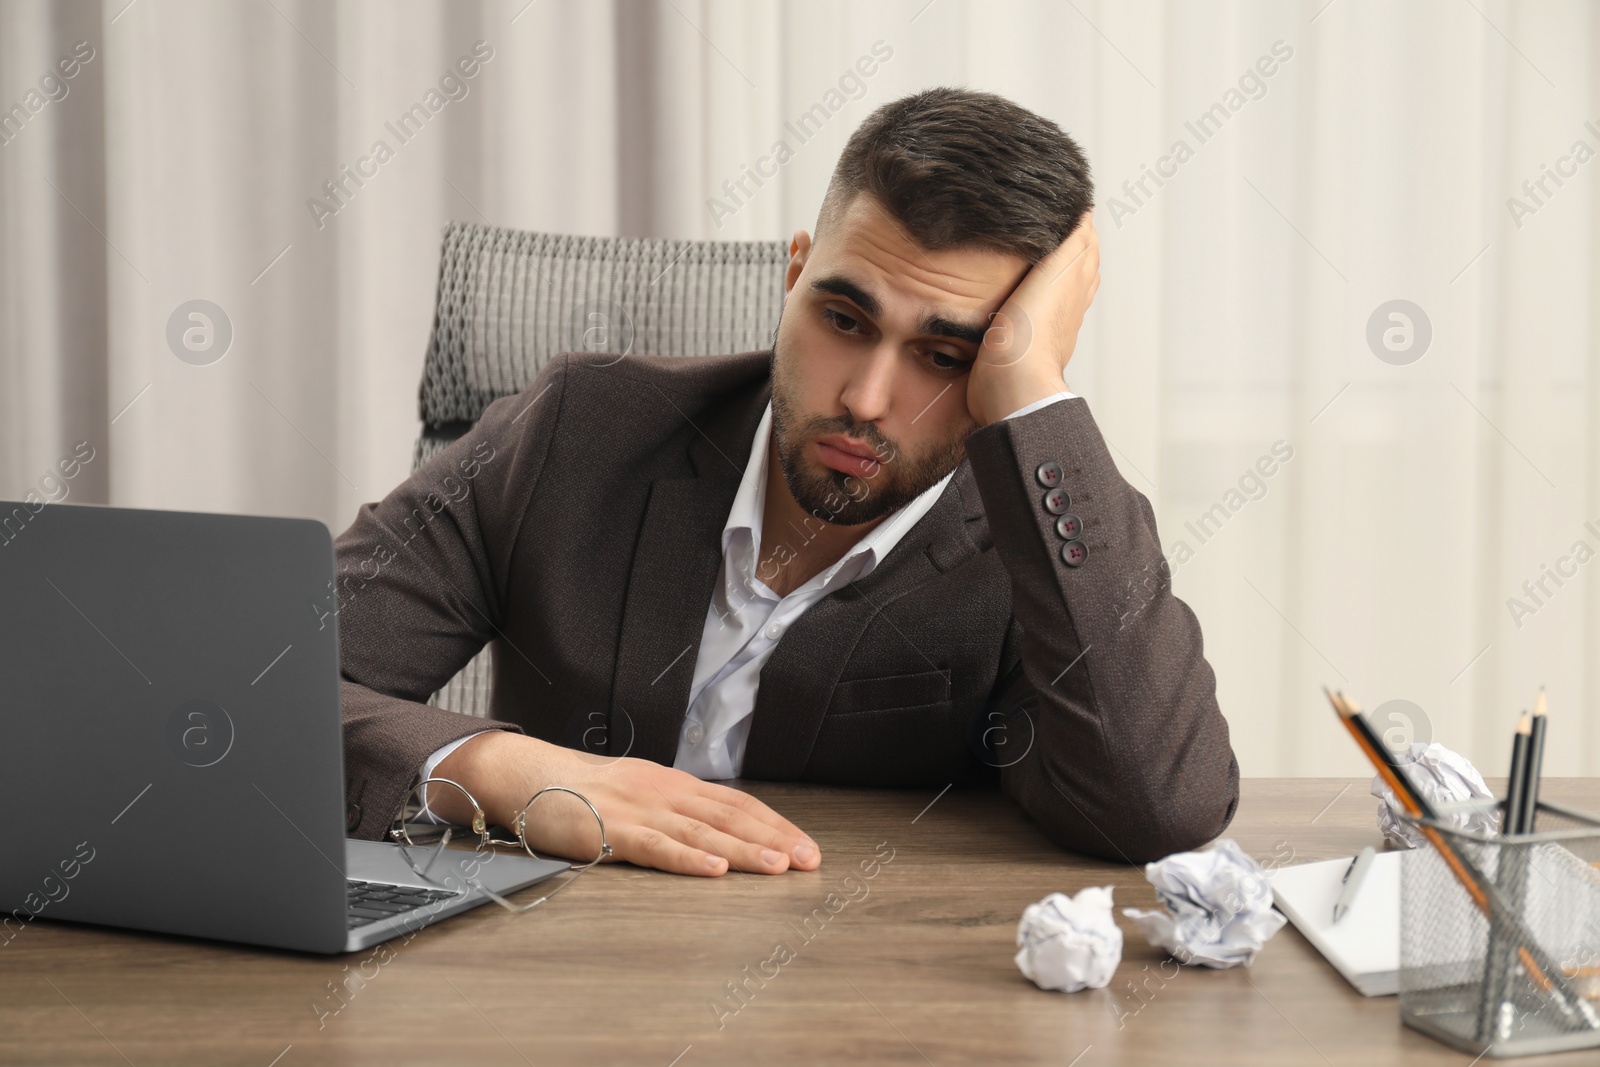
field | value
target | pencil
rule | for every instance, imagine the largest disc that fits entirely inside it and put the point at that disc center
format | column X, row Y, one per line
column 1530, row 807
column 1388, row 767
column 1512, row 870
column 1517, row 783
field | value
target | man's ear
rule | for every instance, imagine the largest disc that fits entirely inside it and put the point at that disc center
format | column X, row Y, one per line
column 799, row 252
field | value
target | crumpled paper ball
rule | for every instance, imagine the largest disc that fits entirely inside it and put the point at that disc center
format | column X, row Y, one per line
column 1218, row 907
column 1443, row 777
column 1070, row 943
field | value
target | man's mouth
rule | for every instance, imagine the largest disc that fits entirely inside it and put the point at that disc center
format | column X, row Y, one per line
column 846, row 455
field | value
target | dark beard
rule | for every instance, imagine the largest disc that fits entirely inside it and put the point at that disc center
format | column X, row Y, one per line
column 847, row 499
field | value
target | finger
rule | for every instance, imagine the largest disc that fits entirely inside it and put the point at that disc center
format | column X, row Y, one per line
column 751, row 806
column 743, row 854
column 649, row 847
column 736, row 824
column 806, row 855
column 747, row 856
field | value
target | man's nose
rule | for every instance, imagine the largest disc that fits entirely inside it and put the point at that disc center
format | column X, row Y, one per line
column 869, row 393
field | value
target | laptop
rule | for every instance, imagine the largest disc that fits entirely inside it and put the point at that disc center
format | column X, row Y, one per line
column 170, row 731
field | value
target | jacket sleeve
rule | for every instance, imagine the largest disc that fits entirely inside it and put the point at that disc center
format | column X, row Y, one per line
column 1128, row 754
column 421, row 578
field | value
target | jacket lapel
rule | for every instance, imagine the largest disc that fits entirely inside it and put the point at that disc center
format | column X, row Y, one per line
column 674, row 572
column 797, row 680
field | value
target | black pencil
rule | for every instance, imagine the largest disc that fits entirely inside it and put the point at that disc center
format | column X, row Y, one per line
column 1530, row 806
column 1516, row 786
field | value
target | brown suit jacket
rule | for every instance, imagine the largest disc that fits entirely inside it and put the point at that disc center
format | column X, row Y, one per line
column 577, row 529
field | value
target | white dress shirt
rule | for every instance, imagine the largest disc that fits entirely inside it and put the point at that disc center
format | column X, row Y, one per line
column 745, row 619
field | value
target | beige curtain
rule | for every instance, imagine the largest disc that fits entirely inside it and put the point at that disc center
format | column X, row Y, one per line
column 1337, row 507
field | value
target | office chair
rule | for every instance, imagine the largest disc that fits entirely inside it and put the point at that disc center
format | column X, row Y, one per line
column 510, row 300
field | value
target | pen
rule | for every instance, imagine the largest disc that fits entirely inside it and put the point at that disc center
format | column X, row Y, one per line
column 1350, row 884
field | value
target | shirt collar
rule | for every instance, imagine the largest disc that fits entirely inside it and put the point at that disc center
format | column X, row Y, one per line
column 744, row 518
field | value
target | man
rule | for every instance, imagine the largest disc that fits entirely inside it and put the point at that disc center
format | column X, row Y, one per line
column 893, row 550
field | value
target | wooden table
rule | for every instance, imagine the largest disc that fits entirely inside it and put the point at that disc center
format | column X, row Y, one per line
column 913, row 965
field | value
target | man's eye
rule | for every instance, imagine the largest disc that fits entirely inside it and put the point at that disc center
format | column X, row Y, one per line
column 945, row 361
column 841, row 322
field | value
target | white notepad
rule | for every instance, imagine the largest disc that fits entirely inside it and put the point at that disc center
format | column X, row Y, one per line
column 1365, row 945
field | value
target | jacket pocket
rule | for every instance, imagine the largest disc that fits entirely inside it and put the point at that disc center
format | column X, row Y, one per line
column 890, row 691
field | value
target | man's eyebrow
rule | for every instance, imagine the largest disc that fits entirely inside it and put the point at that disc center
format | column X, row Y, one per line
column 838, row 285
column 931, row 323
column 940, row 326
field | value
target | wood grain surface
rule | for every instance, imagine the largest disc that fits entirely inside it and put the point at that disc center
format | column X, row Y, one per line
column 912, row 965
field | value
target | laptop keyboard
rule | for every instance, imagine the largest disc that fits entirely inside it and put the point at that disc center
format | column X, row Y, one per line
column 370, row 902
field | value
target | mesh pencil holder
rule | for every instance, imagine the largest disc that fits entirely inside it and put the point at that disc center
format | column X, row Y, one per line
column 1500, row 936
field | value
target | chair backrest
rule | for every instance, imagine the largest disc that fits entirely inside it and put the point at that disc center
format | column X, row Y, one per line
column 509, row 301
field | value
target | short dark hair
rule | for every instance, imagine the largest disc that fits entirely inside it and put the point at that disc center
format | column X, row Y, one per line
column 961, row 169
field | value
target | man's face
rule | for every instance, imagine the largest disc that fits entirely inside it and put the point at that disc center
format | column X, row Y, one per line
column 869, row 382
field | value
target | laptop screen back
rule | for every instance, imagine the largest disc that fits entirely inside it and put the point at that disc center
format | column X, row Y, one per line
column 170, row 724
